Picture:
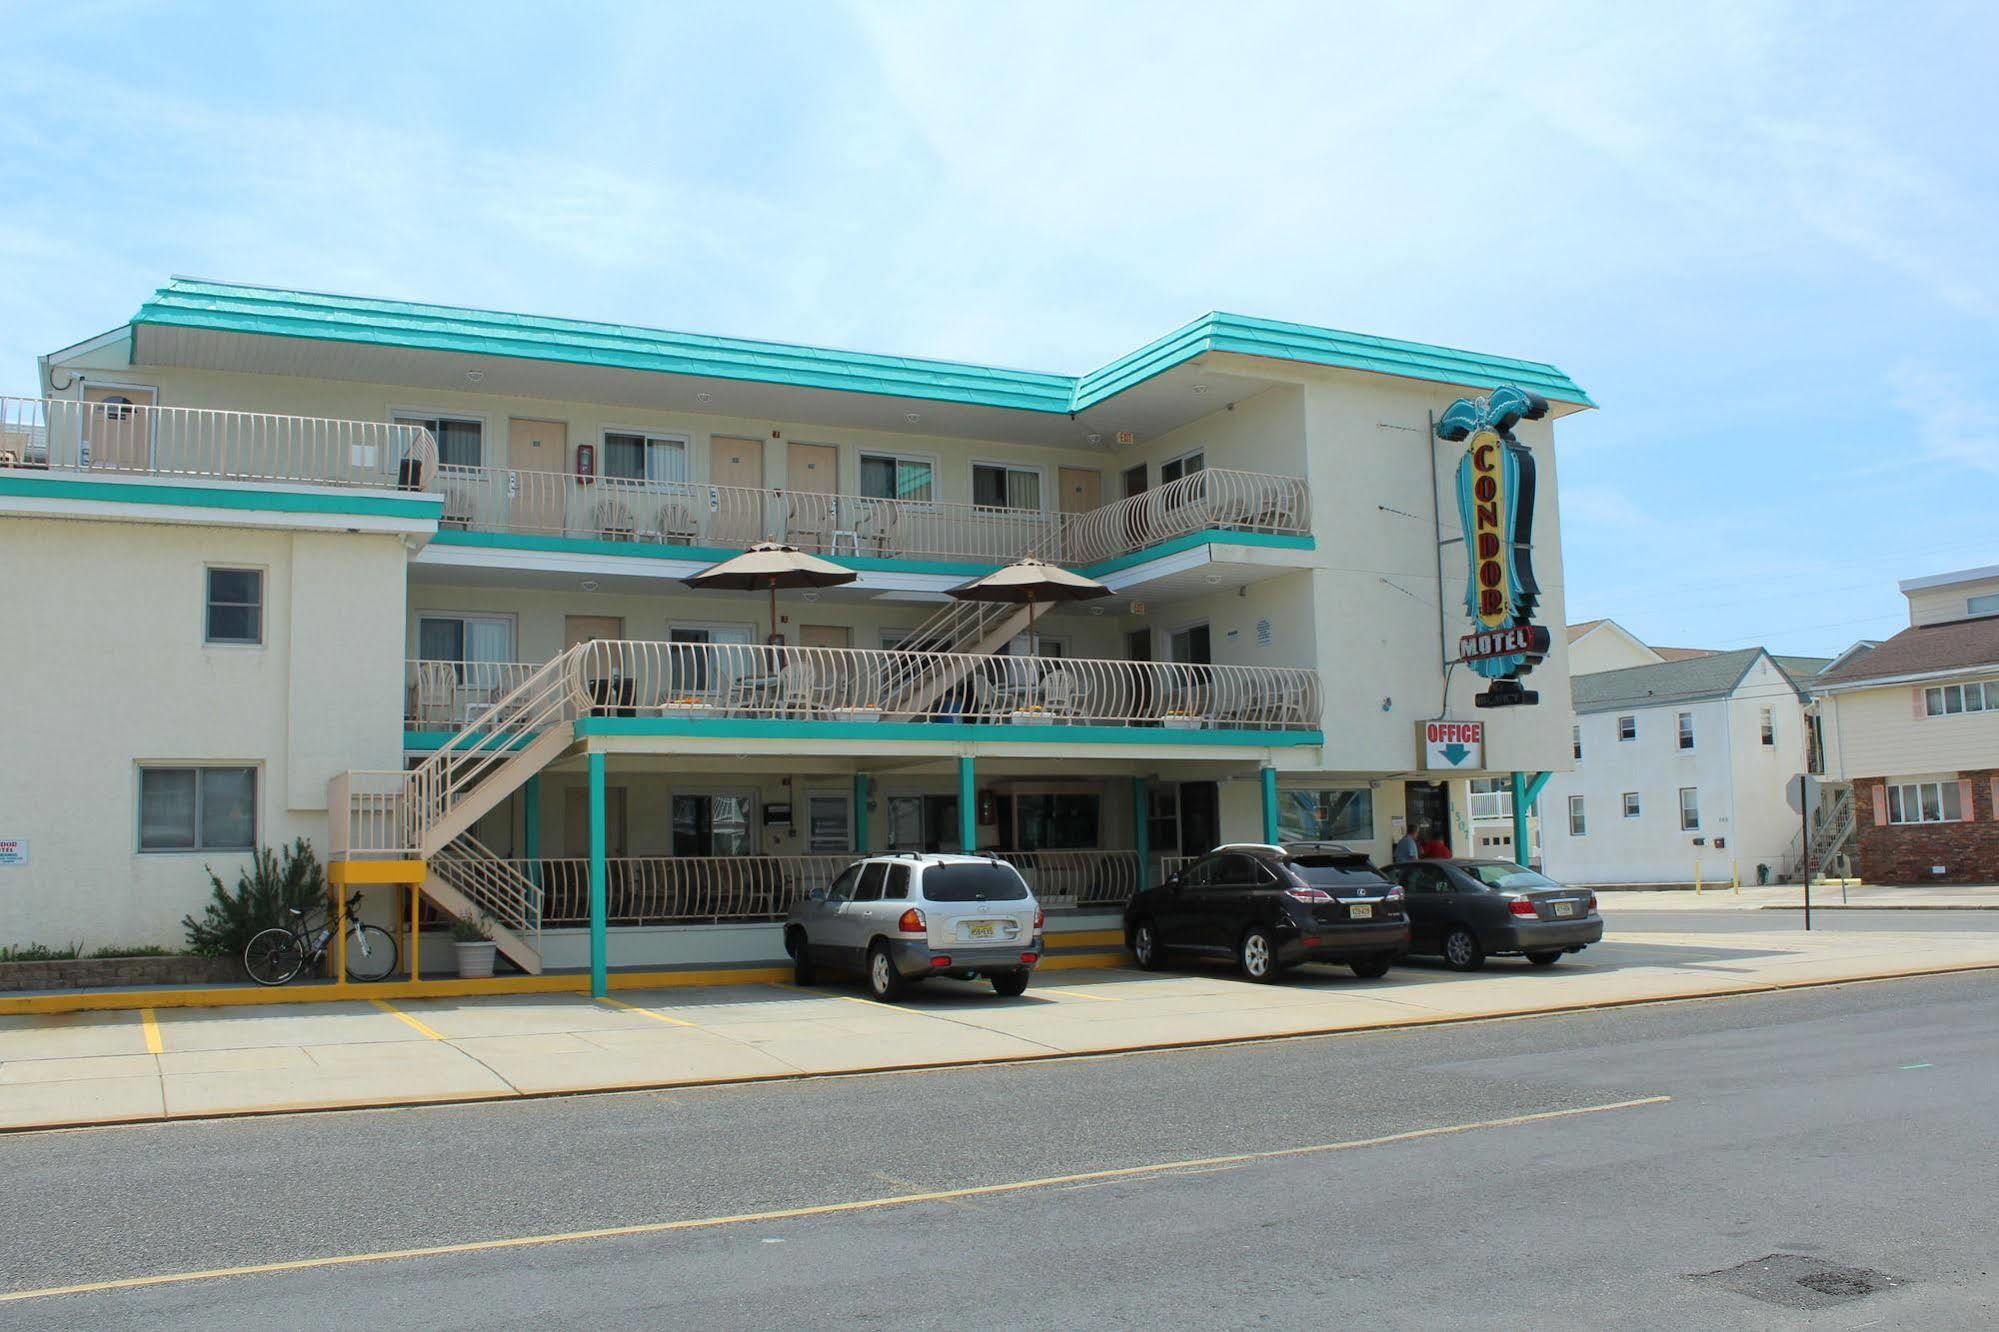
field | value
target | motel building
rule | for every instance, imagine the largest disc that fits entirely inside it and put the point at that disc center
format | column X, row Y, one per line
column 406, row 580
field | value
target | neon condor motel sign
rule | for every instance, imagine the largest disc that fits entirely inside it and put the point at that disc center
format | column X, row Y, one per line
column 1496, row 509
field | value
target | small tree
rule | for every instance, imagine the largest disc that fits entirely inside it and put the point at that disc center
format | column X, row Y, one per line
column 265, row 893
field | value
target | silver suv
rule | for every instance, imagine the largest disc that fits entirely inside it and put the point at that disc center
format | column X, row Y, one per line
column 899, row 918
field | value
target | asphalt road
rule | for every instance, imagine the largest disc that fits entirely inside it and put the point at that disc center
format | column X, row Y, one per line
column 1725, row 921
column 1850, row 1125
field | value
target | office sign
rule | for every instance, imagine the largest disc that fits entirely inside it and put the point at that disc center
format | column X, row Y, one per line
column 13, row 851
column 1449, row 745
column 1495, row 488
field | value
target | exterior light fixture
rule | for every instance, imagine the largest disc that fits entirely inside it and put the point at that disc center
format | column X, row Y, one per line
column 475, row 376
column 1096, row 439
column 703, row 397
column 589, row 585
column 1200, row 388
column 911, row 417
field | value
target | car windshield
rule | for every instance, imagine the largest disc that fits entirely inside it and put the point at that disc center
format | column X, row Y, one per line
column 973, row 883
column 1508, row 878
column 1336, row 870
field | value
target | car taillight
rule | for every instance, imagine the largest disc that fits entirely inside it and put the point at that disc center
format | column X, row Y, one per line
column 911, row 922
column 1308, row 894
column 1038, row 918
column 1395, row 893
column 940, row 961
column 1590, row 903
column 1520, row 906
column 1029, row 957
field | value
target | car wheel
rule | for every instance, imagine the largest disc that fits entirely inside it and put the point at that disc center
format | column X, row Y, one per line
column 802, row 970
column 1369, row 968
column 1145, row 946
column 1011, row 984
column 1257, row 955
column 1462, row 951
column 884, row 981
column 1544, row 959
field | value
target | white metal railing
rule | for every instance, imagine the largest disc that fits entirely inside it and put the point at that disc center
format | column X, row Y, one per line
column 1216, row 498
column 368, row 815
column 695, row 681
column 687, row 513
column 446, row 695
column 1172, row 865
column 1491, row 805
column 665, row 890
column 498, row 888
column 69, row 435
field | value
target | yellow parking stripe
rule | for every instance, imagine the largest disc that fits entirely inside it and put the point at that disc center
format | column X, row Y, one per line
column 820, row 1209
column 395, row 1012
column 1077, row 994
column 152, row 1026
column 645, row 1012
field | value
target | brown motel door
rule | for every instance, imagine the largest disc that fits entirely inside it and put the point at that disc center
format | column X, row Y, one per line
column 538, row 454
column 1082, row 489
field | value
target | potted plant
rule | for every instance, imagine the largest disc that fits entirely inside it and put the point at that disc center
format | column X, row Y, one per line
column 1032, row 714
column 1179, row 719
column 472, row 937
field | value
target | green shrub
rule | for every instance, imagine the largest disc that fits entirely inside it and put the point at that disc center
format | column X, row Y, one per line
column 35, row 952
column 132, row 950
column 474, row 928
column 263, row 896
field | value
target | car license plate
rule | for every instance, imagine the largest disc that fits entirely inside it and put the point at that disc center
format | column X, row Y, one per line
column 1565, row 908
column 979, row 929
column 1361, row 911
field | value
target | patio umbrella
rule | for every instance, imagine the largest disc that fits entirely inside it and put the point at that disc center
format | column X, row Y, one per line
column 1031, row 582
column 770, row 565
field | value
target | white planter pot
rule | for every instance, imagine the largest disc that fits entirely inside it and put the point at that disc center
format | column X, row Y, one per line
column 1033, row 719
column 856, row 714
column 1181, row 723
column 475, row 958
column 694, row 710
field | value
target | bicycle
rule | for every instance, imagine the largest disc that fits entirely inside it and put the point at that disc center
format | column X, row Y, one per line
column 278, row 954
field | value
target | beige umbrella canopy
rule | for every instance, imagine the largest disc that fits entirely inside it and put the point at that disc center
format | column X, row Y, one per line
column 770, row 566
column 1030, row 582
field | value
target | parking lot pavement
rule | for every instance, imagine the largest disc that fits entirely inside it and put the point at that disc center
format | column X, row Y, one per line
column 132, row 1066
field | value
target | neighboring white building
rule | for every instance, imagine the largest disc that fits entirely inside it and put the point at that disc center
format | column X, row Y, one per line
column 1681, row 768
column 269, row 551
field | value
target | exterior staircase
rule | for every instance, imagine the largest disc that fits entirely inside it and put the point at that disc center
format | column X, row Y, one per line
column 1831, row 837
column 940, row 650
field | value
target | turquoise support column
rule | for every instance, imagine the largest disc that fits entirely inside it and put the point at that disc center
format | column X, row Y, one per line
column 531, row 835
column 1270, row 804
column 861, row 813
column 1520, row 817
column 600, row 970
column 1141, row 832
column 968, row 807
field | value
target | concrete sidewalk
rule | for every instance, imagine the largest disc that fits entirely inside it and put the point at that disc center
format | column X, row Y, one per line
column 1867, row 896
column 107, row 1067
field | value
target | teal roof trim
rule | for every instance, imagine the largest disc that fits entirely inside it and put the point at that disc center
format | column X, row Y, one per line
column 274, row 312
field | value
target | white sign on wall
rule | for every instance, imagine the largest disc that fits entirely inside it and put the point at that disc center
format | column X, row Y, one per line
column 1451, row 745
column 13, row 850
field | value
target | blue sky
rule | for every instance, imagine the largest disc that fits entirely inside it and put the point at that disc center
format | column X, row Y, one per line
column 1760, row 234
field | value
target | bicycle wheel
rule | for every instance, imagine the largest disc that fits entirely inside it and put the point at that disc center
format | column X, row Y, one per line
column 273, row 957
column 371, row 953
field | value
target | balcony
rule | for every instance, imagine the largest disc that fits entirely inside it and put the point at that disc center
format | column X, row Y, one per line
column 679, row 687
column 126, row 440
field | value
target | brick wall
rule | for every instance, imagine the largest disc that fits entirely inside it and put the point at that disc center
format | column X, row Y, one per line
column 1908, row 852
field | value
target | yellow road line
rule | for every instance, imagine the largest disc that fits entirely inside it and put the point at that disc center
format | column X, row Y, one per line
column 820, row 1209
column 395, row 1012
column 152, row 1026
column 1077, row 994
column 645, row 1012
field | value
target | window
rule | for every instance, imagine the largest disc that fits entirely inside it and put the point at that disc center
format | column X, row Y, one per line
column 197, row 809
column 873, row 876
column 1578, row 824
column 1924, row 802
column 1192, row 644
column 1690, row 809
column 1944, row 700
column 1982, row 605
column 886, row 477
column 828, row 825
column 712, row 825
column 645, row 457
column 1630, row 804
column 1187, row 465
column 235, row 606
column 896, row 889
column 1325, row 816
column 1576, row 739
column 1044, row 821
column 458, row 438
column 1627, row 728
column 1686, row 730
column 968, row 882
column 1509, row 878
column 1766, row 727
column 997, row 487
column 465, row 638
column 843, row 887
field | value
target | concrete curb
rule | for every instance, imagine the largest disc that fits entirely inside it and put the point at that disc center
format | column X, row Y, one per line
column 1881, row 906
column 1149, row 1047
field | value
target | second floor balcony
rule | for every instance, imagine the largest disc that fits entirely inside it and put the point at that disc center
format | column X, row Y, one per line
column 116, row 438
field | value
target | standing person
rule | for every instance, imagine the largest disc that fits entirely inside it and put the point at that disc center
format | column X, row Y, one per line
column 1433, row 847
column 1405, row 850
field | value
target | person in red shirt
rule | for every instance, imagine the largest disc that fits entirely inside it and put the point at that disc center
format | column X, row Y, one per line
column 1432, row 847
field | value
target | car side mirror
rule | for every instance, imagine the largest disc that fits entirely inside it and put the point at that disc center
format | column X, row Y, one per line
column 817, row 895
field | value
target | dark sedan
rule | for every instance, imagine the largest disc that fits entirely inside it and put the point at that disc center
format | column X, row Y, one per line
column 1272, row 907
column 1465, row 911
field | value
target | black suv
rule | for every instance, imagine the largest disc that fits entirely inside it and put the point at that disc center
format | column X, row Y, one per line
column 1272, row 907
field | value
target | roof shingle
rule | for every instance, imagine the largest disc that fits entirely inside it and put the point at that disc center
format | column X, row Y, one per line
column 1923, row 650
